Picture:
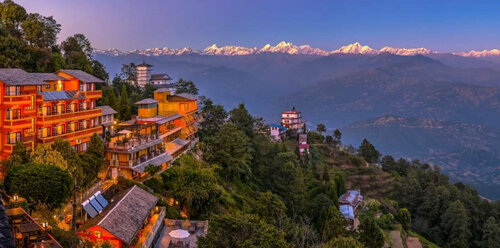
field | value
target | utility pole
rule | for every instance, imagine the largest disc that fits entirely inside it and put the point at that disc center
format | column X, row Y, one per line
column 73, row 222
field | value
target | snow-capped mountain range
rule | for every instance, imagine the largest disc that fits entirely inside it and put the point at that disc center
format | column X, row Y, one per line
column 289, row 48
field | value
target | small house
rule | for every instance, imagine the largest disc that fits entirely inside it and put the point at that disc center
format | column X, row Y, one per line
column 276, row 131
column 131, row 219
column 349, row 203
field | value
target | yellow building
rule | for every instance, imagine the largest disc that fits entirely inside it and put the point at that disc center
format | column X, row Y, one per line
column 164, row 128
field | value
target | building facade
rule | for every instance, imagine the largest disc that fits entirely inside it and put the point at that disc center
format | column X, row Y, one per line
column 39, row 108
column 144, row 76
column 292, row 119
column 143, row 73
column 164, row 128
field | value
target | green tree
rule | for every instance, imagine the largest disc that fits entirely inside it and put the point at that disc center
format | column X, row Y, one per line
column 370, row 234
column 11, row 16
column 152, row 169
column 194, row 185
column 77, row 53
column 455, row 224
column 125, row 112
column 40, row 183
column 96, row 146
column 184, row 86
column 321, row 128
column 343, row 242
column 129, row 72
column 368, row 152
column 404, row 218
column 214, row 116
column 334, row 224
column 242, row 230
column 44, row 154
column 40, row 31
column 270, row 208
column 230, row 148
column 242, row 119
column 491, row 233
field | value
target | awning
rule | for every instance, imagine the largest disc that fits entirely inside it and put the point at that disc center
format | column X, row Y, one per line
column 156, row 161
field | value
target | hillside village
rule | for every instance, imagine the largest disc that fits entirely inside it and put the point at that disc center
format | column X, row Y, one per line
column 141, row 159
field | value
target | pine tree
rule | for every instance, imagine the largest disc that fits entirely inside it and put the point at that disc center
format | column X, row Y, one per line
column 125, row 107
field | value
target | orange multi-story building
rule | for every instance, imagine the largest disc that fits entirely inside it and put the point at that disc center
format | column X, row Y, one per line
column 164, row 128
column 39, row 108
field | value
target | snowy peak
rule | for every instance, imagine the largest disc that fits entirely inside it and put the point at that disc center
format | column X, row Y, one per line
column 406, row 51
column 356, row 48
column 478, row 54
column 284, row 47
column 229, row 50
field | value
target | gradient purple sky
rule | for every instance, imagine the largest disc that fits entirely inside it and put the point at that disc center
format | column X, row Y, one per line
column 130, row 24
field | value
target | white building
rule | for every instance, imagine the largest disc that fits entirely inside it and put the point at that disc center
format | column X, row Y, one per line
column 292, row 119
column 143, row 73
column 276, row 131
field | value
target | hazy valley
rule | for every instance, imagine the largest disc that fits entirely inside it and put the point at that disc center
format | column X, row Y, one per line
column 449, row 103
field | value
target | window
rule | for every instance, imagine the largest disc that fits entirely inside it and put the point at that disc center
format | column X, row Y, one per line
column 83, row 106
column 13, row 91
column 75, row 148
column 47, row 110
column 39, row 88
column 84, row 146
column 13, row 114
column 47, row 86
column 54, row 110
column 13, row 137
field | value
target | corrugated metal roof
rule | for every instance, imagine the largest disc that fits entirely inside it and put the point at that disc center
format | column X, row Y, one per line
column 83, row 76
column 61, row 95
column 107, row 110
column 156, row 161
column 146, row 101
column 162, row 76
column 125, row 216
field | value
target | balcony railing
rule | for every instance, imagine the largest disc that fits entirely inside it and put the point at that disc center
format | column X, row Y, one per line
column 19, row 99
column 135, row 144
column 18, row 123
column 146, row 157
column 92, row 94
column 76, row 134
column 69, row 116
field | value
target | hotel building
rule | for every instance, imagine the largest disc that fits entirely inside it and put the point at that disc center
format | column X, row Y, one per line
column 39, row 108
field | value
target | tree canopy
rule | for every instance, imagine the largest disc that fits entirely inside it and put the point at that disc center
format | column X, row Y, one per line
column 40, row 183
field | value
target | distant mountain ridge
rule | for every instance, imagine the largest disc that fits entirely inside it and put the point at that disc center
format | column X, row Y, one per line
column 289, row 48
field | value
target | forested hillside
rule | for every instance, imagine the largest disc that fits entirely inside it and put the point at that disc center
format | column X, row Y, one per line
column 259, row 193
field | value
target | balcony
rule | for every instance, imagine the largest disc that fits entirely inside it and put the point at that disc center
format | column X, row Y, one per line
column 23, row 98
column 133, row 144
column 69, row 116
column 20, row 123
column 72, row 135
column 92, row 94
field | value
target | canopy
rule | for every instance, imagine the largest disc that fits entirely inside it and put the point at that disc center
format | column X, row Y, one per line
column 125, row 131
column 179, row 234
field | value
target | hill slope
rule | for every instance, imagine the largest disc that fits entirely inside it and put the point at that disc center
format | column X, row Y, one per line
column 469, row 153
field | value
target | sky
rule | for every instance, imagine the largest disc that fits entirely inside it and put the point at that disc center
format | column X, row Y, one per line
column 138, row 24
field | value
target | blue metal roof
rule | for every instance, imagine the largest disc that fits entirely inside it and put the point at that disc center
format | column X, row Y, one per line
column 347, row 211
column 61, row 95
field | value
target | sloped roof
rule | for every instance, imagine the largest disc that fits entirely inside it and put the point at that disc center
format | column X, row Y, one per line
column 162, row 76
column 49, row 76
column 144, row 64
column 16, row 76
column 125, row 215
column 107, row 110
column 157, row 161
column 185, row 96
column 146, row 101
column 163, row 89
column 83, row 76
column 6, row 240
